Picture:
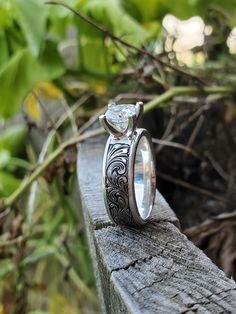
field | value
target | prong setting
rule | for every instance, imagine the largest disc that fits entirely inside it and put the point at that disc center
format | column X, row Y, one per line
column 111, row 104
column 139, row 112
column 121, row 120
column 108, row 127
column 131, row 125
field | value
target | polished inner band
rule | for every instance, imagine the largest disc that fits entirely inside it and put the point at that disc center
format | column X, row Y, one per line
column 144, row 177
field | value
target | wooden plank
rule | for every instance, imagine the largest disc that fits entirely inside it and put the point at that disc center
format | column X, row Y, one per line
column 151, row 269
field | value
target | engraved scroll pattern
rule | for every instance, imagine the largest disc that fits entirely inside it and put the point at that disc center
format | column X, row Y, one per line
column 116, row 183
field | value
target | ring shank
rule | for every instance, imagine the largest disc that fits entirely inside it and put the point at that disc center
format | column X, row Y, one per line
column 129, row 180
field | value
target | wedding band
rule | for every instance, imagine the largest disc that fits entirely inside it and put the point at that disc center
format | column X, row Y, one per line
column 129, row 180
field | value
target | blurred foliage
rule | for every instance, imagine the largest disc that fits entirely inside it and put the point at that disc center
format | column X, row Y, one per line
column 31, row 32
column 49, row 56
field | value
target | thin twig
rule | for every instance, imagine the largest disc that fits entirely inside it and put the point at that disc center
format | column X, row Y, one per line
column 9, row 242
column 168, row 95
column 48, row 117
column 73, row 110
column 91, row 121
column 127, row 57
column 176, row 145
column 134, row 96
column 217, row 166
column 187, row 90
column 169, row 127
column 3, row 214
column 191, row 187
column 9, row 201
column 68, row 114
column 113, row 37
column 196, row 130
column 184, row 125
column 83, row 288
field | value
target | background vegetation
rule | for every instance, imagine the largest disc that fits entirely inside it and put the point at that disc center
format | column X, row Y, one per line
column 57, row 71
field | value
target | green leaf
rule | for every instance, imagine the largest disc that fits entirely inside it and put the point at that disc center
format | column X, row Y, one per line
column 6, row 267
column 142, row 10
column 43, row 252
column 17, row 79
column 145, row 11
column 8, row 183
column 32, row 17
column 13, row 139
column 3, row 50
column 60, row 18
column 182, row 9
column 111, row 15
column 5, row 14
column 5, row 158
column 51, row 60
column 94, row 56
column 39, row 253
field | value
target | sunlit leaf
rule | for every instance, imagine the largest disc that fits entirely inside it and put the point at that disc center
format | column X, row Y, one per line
column 94, row 56
column 111, row 15
column 49, row 90
column 19, row 75
column 60, row 18
column 5, row 14
column 33, row 107
column 17, row 78
column 5, row 158
column 59, row 304
column 32, row 17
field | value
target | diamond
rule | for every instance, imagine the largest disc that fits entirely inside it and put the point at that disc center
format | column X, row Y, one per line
column 118, row 116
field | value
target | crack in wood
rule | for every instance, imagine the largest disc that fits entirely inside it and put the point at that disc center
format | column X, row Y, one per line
column 133, row 264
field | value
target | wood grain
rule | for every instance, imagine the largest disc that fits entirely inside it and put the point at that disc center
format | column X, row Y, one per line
column 150, row 269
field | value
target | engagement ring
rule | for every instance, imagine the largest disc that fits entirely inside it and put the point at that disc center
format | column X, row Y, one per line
column 129, row 180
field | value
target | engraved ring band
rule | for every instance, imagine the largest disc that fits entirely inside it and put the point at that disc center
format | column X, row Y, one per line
column 129, row 180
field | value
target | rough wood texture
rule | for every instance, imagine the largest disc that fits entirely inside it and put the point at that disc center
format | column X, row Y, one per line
column 152, row 269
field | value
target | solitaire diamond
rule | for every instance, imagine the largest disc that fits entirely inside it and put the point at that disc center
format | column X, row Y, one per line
column 118, row 116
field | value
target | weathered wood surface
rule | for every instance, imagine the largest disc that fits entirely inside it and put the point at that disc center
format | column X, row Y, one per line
column 152, row 269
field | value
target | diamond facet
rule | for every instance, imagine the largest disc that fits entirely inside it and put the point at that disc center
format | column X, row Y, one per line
column 118, row 116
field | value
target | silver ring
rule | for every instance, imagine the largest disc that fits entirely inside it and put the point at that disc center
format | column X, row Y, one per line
column 129, row 180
